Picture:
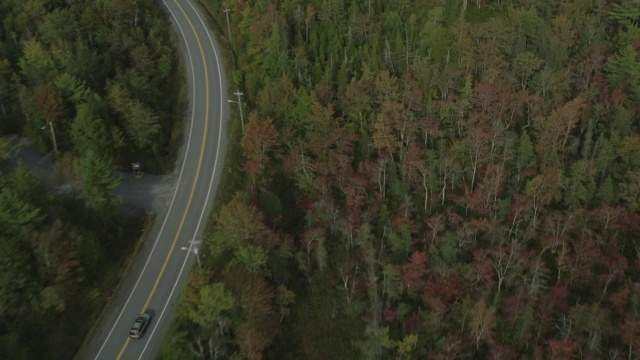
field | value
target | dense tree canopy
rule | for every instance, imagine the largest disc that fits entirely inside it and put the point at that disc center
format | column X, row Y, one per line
column 427, row 179
column 99, row 83
column 103, row 70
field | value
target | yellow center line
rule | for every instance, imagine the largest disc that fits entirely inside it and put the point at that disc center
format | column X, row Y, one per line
column 195, row 182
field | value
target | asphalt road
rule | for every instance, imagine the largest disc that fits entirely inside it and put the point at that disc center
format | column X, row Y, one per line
column 158, row 273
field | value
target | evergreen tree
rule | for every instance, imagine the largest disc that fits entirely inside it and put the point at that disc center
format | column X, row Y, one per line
column 97, row 182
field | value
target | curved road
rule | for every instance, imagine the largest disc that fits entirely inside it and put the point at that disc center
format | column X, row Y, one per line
column 156, row 277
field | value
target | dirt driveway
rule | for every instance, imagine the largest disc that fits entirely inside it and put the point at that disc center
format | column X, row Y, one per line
column 151, row 192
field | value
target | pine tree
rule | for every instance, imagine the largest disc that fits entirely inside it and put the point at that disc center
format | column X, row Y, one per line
column 607, row 192
column 17, row 217
column 525, row 155
column 88, row 130
column 626, row 12
column 98, row 183
column 624, row 68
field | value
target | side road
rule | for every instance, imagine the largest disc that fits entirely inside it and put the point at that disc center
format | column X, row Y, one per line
column 150, row 193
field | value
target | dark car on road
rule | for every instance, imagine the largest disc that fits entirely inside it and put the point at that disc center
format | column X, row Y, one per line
column 141, row 324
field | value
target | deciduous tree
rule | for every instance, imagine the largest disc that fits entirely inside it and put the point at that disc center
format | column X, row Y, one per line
column 258, row 141
column 481, row 322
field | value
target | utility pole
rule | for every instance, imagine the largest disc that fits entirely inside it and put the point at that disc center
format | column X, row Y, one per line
column 53, row 136
column 195, row 251
column 239, row 102
column 226, row 11
column 193, row 248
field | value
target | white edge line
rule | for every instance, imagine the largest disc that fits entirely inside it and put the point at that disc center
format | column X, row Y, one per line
column 220, row 127
column 175, row 193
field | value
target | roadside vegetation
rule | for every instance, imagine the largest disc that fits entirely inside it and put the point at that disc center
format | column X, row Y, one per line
column 97, row 84
column 426, row 179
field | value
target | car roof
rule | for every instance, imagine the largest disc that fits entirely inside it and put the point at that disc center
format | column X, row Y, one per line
column 140, row 320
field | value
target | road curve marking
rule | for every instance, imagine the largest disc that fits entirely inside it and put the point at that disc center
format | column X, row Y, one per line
column 215, row 166
column 200, row 158
column 195, row 182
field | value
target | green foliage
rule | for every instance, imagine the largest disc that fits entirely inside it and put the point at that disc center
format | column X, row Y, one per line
column 270, row 204
column 74, row 88
column 177, row 348
column 606, row 192
column 376, row 342
column 580, row 184
column 406, row 346
column 27, row 185
column 525, row 156
column 629, row 148
column 605, row 155
column 324, row 329
column 498, row 145
column 27, row 106
column 12, row 347
column 238, row 224
column 392, row 283
column 5, row 85
column 209, row 307
column 252, row 258
column 88, row 131
column 399, row 242
column 624, row 68
column 51, row 297
column 446, row 255
column 5, row 149
column 17, row 217
column 621, row 121
column 79, row 49
column 626, row 12
column 140, row 122
column 525, row 65
column 16, row 284
column 436, row 39
column 56, row 61
column 629, row 190
column 285, row 298
column 36, row 63
column 549, row 82
column 98, row 183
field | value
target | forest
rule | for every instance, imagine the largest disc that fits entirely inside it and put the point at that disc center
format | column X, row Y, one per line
column 426, row 179
column 95, row 84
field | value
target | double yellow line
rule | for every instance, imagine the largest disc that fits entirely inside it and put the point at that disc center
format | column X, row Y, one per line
column 195, row 182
